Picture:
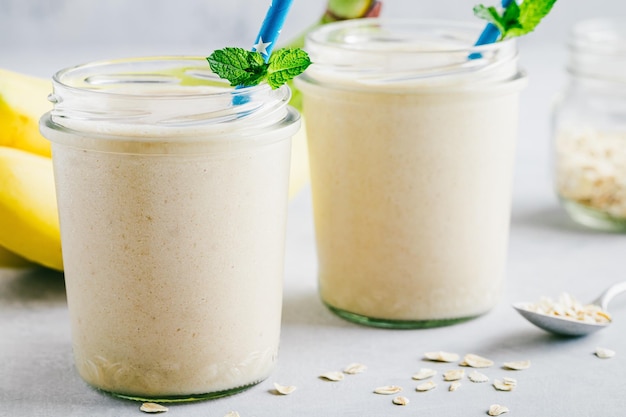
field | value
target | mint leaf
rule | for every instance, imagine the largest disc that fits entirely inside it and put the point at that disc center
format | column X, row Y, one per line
column 237, row 65
column 491, row 15
column 285, row 64
column 246, row 68
column 531, row 13
column 515, row 20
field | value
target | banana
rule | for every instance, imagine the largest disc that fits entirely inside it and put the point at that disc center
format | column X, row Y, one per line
column 29, row 225
column 23, row 100
column 10, row 260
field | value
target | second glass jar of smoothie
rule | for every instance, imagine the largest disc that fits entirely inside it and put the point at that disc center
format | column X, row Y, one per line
column 411, row 133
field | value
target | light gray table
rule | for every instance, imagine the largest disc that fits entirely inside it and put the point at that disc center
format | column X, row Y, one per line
column 548, row 255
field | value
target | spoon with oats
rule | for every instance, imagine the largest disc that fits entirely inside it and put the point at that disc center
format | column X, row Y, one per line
column 567, row 316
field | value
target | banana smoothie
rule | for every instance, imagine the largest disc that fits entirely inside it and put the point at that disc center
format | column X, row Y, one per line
column 411, row 150
column 172, row 227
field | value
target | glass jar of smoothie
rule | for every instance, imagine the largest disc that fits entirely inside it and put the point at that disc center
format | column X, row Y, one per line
column 590, row 127
column 172, row 193
column 411, row 133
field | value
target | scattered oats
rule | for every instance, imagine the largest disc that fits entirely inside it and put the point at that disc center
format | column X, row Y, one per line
column 476, row 361
column 400, row 400
column 354, row 368
column 284, row 389
column 152, row 408
column 424, row 373
column 232, row 414
column 567, row 307
column 453, row 375
column 502, row 386
column 604, row 353
column 333, row 376
column 388, row 390
column 476, row 376
column 509, row 381
column 497, row 409
column 426, row 386
column 441, row 356
column 463, row 363
column 517, row 365
column 454, row 386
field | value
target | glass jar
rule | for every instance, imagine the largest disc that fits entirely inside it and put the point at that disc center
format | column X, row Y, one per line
column 172, row 194
column 411, row 132
column 589, row 127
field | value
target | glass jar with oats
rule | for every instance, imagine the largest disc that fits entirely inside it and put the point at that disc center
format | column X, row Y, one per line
column 590, row 127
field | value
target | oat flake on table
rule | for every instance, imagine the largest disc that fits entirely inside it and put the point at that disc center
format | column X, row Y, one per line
column 476, row 361
column 517, row 365
column 426, row 386
column 424, row 373
column 453, row 375
column 502, row 385
column 441, row 356
column 152, row 408
column 478, row 377
column 604, row 353
column 284, row 389
column 497, row 409
column 388, row 390
column 400, row 401
column 333, row 376
column 455, row 385
column 354, row 368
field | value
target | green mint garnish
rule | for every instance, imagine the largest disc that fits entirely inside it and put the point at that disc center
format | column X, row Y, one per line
column 515, row 20
column 246, row 68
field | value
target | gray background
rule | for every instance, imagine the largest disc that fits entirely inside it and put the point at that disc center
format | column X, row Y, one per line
column 548, row 254
column 66, row 32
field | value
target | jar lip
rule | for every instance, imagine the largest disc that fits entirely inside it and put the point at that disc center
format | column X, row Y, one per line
column 114, row 76
column 327, row 35
column 161, row 92
column 600, row 35
column 393, row 54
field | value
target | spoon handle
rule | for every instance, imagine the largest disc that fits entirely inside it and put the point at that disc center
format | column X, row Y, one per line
column 605, row 298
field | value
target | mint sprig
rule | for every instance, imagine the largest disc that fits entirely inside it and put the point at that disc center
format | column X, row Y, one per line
column 515, row 20
column 247, row 68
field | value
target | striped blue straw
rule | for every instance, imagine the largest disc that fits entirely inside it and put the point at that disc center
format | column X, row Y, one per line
column 268, row 35
column 271, row 27
column 490, row 33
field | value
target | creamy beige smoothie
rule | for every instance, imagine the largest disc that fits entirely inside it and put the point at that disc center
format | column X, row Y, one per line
column 173, row 243
column 411, row 177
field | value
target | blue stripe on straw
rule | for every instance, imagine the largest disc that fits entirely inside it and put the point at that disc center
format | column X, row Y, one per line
column 271, row 27
column 491, row 32
column 268, row 35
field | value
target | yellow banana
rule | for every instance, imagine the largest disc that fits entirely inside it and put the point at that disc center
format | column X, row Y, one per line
column 23, row 100
column 10, row 260
column 29, row 225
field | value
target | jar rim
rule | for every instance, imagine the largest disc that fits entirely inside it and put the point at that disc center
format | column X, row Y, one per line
column 100, row 76
column 163, row 95
column 395, row 54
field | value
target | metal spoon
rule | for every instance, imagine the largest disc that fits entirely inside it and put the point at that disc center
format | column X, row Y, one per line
column 569, row 327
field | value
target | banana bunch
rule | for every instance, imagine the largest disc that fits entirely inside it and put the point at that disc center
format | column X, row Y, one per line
column 29, row 226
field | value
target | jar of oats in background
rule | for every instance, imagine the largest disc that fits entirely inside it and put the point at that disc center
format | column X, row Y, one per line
column 590, row 127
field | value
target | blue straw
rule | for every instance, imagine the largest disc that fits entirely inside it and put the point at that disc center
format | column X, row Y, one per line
column 268, row 35
column 491, row 32
column 271, row 27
